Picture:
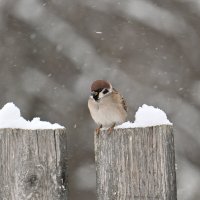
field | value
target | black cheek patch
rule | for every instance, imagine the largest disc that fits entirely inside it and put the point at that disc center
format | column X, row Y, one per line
column 105, row 91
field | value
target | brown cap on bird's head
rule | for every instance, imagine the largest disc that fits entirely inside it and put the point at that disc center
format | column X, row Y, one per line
column 99, row 84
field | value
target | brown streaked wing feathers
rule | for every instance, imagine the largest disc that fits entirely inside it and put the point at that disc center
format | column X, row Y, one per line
column 122, row 100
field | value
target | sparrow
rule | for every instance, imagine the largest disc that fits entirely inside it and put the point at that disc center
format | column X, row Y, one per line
column 106, row 105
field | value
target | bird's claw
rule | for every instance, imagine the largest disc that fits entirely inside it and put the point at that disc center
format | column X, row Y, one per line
column 110, row 130
column 97, row 130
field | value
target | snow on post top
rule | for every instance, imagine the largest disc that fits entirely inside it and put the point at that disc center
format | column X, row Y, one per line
column 10, row 117
column 147, row 116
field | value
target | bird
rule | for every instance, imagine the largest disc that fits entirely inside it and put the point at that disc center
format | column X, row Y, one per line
column 106, row 105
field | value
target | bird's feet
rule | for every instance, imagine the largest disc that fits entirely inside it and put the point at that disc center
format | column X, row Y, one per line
column 97, row 130
column 111, row 128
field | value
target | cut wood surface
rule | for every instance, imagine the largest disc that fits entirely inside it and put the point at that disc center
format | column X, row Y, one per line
column 33, row 164
column 136, row 164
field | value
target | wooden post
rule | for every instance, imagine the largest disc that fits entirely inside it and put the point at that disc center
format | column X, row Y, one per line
column 136, row 164
column 33, row 164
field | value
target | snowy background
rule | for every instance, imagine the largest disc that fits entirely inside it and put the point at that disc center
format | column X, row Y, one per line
column 51, row 51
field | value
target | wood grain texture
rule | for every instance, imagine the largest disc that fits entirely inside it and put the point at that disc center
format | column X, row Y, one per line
column 136, row 164
column 33, row 164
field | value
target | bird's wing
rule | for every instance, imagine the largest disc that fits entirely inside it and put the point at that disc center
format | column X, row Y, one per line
column 122, row 100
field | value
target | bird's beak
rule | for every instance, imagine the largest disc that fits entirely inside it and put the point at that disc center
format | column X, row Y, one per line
column 95, row 95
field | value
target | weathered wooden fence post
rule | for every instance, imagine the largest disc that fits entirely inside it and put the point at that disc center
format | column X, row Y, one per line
column 33, row 164
column 136, row 164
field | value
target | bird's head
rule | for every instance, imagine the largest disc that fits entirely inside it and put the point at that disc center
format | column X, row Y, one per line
column 100, row 89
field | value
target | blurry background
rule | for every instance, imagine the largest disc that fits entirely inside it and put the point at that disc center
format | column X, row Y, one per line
column 51, row 51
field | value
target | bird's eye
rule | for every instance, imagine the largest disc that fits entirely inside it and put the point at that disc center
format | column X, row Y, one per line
column 94, row 93
column 105, row 91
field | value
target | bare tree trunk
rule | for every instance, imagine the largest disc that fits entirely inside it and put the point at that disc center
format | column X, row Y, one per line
column 136, row 164
column 33, row 164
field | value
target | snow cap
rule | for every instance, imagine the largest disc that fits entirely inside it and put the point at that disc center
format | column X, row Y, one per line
column 10, row 117
column 147, row 116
